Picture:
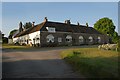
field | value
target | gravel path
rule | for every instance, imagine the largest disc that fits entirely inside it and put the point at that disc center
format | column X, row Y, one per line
column 36, row 64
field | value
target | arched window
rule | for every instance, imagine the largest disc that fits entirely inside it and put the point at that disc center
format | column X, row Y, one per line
column 99, row 39
column 50, row 38
column 90, row 39
column 68, row 38
column 81, row 38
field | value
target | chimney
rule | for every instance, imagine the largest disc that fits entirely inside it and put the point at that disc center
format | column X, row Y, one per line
column 78, row 23
column 86, row 24
column 67, row 22
column 24, row 29
column 33, row 24
column 20, row 27
column 45, row 19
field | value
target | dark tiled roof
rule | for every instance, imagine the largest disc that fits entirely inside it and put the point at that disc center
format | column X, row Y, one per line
column 61, row 27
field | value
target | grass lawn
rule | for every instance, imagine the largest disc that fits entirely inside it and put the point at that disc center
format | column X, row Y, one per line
column 93, row 62
column 9, row 46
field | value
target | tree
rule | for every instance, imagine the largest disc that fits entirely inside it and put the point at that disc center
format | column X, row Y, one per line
column 13, row 32
column 27, row 25
column 115, row 37
column 106, row 26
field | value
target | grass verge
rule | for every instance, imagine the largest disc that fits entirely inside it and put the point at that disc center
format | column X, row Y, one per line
column 93, row 62
column 10, row 46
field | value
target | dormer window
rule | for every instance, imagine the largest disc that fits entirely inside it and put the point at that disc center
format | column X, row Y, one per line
column 50, row 29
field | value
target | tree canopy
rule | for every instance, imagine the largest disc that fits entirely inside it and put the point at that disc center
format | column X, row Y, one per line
column 27, row 25
column 106, row 26
column 13, row 32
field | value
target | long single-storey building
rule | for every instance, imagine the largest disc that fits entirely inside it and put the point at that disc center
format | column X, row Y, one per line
column 49, row 33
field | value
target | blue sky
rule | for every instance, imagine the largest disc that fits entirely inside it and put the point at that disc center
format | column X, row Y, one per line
column 82, row 12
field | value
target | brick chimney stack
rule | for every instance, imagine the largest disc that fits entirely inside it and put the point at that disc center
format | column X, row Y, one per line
column 78, row 23
column 67, row 21
column 33, row 24
column 45, row 19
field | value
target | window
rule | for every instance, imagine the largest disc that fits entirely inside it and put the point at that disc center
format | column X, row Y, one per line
column 50, row 38
column 59, row 39
column 68, row 38
column 90, row 39
column 50, row 29
column 37, row 38
column 80, row 38
column 30, row 40
column 99, row 39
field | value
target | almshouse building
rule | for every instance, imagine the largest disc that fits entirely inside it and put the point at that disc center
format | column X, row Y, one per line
column 50, row 33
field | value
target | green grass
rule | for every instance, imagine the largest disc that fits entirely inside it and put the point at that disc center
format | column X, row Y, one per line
column 93, row 62
column 10, row 46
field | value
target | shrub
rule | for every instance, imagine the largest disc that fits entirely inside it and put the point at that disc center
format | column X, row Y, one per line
column 76, row 52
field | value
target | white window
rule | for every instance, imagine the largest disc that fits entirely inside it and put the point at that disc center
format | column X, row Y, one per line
column 68, row 38
column 81, row 38
column 90, row 39
column 50, row 29
column 50, row 38
column 59, row 39
column 99, row 39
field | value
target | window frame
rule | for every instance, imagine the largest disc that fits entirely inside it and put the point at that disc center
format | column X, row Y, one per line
column 50, row 38
column 59, row 39
column 81, row 39
column 90, row 39
column 68, row 38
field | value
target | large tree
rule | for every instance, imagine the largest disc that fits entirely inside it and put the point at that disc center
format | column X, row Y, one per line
column 106, row 26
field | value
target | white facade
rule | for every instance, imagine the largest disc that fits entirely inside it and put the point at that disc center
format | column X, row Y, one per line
column 16, row 39
column 32, row 38
column 10, row 41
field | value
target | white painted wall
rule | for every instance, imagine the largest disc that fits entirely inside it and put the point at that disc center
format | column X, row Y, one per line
column 10, row 41
column 15, row 40
column 29, row 37
column 34, row 35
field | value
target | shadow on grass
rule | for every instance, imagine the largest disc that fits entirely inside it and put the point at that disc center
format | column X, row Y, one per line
column 97, row 67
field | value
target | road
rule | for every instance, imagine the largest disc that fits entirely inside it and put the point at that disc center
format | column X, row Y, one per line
column 36, row 63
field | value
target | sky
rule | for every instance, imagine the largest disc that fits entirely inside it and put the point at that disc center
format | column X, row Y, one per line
column 82, row 12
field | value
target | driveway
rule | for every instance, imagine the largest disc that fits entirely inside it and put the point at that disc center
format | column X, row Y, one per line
column 36, row 63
